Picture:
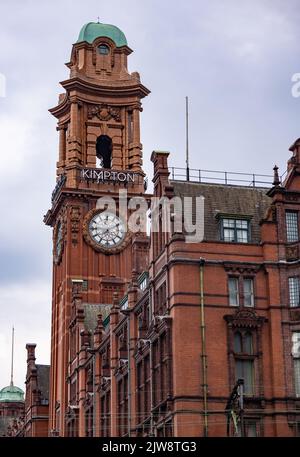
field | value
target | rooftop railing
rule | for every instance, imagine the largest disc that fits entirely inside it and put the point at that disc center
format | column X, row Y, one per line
column 221, row 177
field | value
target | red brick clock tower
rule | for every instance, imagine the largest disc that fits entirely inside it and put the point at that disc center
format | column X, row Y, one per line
column 100, row 154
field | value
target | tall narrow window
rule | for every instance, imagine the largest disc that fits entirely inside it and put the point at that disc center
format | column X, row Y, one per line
column 297, row 376
column 140, row 392
column 147, row 397
column 105, row 414
column 104, row 150
column 244, row 360
column 296, row 360
column 160, row 304
column 244, row 370
column 241, row 291
column 294, row 291
column 233, row 286
column 248, row 292
column 292, row 231
column 123, row 405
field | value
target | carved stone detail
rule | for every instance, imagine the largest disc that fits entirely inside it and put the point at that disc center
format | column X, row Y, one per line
column 75, row 216
column 245, row 318
column 241, row 268
column 104, row 112
column 292, row 252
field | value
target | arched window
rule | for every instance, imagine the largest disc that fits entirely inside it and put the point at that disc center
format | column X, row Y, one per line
column 103, row 49
column 104, row 150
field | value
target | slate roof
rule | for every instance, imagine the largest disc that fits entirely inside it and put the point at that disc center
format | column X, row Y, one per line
column 91, row 312
column 220, row 199
column 43, row 372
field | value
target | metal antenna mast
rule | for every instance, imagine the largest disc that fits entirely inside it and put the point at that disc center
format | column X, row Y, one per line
column 12, row 357
column 187, row 137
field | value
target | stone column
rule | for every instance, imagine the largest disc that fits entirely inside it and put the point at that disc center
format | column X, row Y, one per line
column 135, row 155
column 73, row 153
column 62, row 149
column 132, row 375
column 62, row 144
column 74, row 120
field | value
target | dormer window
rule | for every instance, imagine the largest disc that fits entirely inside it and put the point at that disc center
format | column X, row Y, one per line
column 235, row 230
column 103, row 49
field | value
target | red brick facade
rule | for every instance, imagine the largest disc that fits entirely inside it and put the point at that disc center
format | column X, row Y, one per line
column 150, row 338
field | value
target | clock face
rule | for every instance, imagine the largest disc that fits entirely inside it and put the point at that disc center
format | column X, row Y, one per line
column 107, row 230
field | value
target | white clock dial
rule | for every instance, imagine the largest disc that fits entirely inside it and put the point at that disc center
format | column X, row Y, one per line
column 107, row 230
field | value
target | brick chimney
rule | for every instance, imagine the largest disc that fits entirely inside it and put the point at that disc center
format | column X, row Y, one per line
column 161, row 170
column 30, row 355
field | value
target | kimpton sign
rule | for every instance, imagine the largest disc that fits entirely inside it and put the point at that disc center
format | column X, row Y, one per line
column 89, row 174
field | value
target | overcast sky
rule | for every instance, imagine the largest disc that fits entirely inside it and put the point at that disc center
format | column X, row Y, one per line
column 234, row 59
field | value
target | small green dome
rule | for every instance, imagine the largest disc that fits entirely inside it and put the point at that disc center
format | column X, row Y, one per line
column 93, row 30
column 11, row 393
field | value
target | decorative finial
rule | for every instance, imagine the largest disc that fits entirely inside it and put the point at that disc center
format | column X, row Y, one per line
column 276, row 180
column 12, row 357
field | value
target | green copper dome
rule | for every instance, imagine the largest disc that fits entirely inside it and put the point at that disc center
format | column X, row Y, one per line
column 93, row 30
column 11, row 393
